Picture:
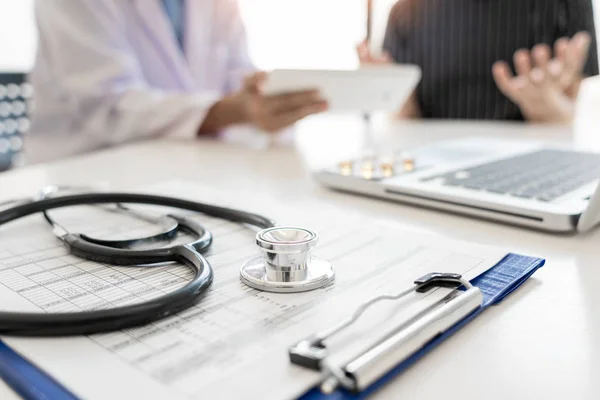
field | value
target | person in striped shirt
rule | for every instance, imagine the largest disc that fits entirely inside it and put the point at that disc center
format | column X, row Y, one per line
column 492, row 59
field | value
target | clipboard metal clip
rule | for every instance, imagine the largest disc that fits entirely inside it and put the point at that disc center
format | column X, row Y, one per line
column 384, row 355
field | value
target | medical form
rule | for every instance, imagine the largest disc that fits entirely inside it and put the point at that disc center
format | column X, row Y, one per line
column 233, row 343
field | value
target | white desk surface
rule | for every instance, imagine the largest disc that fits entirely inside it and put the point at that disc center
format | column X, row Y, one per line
column 542, row 342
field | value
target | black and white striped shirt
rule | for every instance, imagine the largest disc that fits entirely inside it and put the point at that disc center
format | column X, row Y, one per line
column 456, row 43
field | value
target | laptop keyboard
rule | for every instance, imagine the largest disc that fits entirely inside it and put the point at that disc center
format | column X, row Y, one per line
column 544, row 175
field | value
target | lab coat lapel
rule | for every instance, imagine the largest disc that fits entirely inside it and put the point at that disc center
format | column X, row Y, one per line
column 158, row 27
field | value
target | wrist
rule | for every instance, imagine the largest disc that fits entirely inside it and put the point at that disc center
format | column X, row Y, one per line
column 235, row 107
column 230, row 110
column 563, row 116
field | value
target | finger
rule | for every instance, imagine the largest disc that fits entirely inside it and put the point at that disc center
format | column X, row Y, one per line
column 576, row 54
column 295, row 103
column 364, row 54
column 289, row 101
column 522, row 60
column 560, row 49
column 556, row 67
column 291, row 117
column 252, row 83
column 255, row 78
column 541, row 55
column 386, row 57
column 505, row 80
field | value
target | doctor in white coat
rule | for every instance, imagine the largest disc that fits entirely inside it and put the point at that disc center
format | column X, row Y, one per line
column 112, row 71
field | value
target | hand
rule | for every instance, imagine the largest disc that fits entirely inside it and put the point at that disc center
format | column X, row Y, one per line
column 273, row 113
column 367, row 58
column 270, row 113
column 545, row 89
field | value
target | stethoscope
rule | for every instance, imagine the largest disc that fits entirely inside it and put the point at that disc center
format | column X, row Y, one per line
column 285, row 266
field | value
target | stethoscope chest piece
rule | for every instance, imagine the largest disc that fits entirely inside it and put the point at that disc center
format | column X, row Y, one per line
column 286, row 265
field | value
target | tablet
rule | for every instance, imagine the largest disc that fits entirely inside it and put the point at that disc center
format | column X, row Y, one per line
column 372, row 88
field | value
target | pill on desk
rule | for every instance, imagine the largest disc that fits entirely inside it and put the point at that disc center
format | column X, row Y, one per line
column 13, row 91
column 26, row 90
column 5, row 109
column 367, row 174
column 387, row 169
column 367, row 170
column 345, row 168
column 16, row 143
column 4, row 145
column 24, row 125
column 18, row 108
column 11, row 126
column 368, row 166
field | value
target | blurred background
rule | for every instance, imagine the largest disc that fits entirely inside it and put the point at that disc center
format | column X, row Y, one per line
column 278, row 32
column 323, row 45
column 336, row 26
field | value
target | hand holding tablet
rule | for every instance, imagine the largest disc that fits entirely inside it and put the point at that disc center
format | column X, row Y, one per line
column 369, row 88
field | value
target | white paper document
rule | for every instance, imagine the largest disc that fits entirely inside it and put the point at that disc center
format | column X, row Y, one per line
column 234, row 343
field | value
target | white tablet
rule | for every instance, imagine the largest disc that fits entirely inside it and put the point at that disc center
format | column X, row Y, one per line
column 372, row 88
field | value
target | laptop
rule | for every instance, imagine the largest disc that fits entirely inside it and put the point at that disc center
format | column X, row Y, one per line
column 530, row 184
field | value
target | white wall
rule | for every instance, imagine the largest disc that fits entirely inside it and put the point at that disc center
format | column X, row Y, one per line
column 304, row 33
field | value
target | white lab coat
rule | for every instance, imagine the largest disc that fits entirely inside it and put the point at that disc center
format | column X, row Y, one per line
column 111, row 71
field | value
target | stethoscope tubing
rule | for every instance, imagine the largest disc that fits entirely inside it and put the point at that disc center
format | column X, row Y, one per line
column 238, row 216
column 108, row 320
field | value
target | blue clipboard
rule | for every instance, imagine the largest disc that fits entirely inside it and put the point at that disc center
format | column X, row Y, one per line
column 495, row 284
column 498, row 282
